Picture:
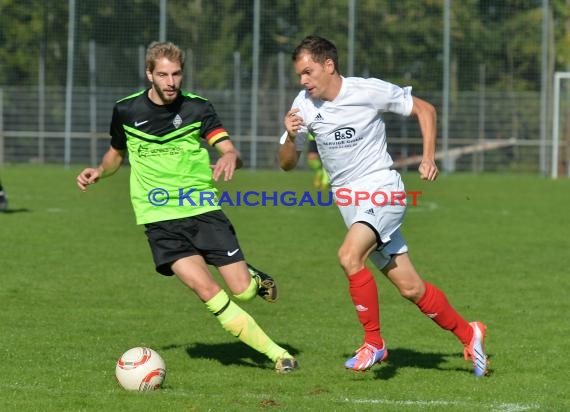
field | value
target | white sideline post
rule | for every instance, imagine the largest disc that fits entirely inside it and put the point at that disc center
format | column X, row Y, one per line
column 556, row 122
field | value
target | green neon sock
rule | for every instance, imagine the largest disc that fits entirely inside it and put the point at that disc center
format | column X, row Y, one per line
column 249, row 293
column 240, row 324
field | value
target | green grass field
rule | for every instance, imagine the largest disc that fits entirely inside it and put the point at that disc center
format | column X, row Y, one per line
column 78, row 288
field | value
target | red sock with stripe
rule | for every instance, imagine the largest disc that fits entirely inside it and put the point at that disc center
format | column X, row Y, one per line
column 364, row 294
column 434, row 305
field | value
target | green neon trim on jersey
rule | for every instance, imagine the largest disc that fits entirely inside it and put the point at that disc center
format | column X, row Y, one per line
column 132, row 132
column 195, row 96
column 131, row 96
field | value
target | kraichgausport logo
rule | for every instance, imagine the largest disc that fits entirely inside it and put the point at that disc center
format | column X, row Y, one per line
column 341, row 197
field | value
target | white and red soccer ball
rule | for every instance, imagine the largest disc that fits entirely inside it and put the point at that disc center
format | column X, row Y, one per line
column 140, row 369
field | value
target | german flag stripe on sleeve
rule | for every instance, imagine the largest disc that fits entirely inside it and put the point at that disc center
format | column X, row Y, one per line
column 217, row 135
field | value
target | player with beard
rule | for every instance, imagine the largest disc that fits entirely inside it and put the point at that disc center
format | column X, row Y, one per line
column 173, row 195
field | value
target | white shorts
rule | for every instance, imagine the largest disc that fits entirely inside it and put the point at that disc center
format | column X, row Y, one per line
column 396, row 246
column 379, row 201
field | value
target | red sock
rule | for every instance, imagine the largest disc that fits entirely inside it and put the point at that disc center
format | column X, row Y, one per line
column 435, row 306
column 364, row 294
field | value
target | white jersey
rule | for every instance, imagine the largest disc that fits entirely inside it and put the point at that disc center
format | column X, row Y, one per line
column 350, row 131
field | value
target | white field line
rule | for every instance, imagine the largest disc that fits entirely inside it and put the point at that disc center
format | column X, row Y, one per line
column 476, row 406
column 499, row 407
column 421, row 206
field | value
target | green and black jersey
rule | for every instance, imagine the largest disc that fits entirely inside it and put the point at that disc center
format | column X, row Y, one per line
column 171, row 177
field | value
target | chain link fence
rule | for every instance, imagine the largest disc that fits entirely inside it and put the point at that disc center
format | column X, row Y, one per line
column 486, row 67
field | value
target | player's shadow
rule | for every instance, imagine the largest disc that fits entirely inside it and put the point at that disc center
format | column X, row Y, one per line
column 399, row 358
column 232, row 353
column 11, row 211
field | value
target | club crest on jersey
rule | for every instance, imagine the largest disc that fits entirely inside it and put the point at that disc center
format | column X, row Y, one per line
column 343, row 133
column 177, row 121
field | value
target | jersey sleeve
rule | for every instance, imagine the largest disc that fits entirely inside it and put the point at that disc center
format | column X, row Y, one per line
column 117, row 132
column 388, row 97
column 212, row 129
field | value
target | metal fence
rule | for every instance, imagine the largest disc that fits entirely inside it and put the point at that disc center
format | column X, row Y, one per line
column 32, row 134
column 484, row 126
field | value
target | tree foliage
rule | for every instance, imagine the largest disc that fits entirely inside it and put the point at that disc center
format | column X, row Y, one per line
column 400, row 40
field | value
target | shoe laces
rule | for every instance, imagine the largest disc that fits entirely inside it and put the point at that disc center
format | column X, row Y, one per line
column 366, row 351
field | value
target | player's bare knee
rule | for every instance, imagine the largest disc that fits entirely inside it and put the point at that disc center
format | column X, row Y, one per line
column 206, row 292
column 350, row 261
column 411, row 292
column 245, row 290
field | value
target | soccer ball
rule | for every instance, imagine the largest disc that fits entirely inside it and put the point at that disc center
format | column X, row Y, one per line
column 140, row 369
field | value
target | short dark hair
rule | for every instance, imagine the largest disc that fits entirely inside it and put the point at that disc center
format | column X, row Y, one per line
column 319, row 48
column 157, row 50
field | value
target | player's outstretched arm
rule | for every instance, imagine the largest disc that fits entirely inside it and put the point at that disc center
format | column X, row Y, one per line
column 109, row 165
column 427, row 118
column 228, row 162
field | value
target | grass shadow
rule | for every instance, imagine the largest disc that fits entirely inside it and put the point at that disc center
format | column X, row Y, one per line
column 11, row 211
column 230, row 353
column 408, row 358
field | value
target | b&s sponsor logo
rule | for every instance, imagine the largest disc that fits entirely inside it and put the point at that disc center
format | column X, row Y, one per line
column 343, row 133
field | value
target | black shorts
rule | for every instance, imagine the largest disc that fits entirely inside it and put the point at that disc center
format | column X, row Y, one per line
column 210, row 235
